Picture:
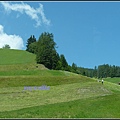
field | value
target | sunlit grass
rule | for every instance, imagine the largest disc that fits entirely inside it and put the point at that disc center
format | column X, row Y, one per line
column 16, row 97
column 10, row 56
column 93, row 107
column 113, row 80
column 70, row 95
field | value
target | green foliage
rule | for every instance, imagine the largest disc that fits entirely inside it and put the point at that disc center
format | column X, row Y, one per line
column 62, row 63
column 103, row 71
column 6, row 46
column 95, row 72
column 29, row 48
column 85, row 71
column 74, row 68
column 33, row 47
column 108, row 71
column 46, row 53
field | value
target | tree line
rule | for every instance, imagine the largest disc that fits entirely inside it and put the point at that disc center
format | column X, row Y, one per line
column 102, row 71
column 45, row 50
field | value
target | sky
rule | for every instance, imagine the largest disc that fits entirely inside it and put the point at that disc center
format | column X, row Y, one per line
column 87, row 33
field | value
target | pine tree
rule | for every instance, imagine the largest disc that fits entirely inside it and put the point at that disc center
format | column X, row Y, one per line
column 74, row 68
column 46, row 52
column 64, row 63
column 33, row 47
column 30, row 40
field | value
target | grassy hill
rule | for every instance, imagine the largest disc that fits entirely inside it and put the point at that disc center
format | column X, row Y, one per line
column 70, row 95
column 11, row 56
column 12, row 60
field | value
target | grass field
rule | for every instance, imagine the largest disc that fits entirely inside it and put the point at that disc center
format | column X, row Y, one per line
column 113, row 80
column 70, row 95
column 8, row 57
column 94, row 107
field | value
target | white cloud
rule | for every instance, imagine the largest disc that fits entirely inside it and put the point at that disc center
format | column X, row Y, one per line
column 34, row 14
column 14, row 41
column 1, row 29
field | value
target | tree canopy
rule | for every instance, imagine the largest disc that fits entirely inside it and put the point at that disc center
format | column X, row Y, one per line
column 31, row 40
column 46, row 52
column 6, row 46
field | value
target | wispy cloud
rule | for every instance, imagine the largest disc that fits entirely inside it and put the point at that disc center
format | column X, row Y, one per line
column 14, row 41
column 35, row 14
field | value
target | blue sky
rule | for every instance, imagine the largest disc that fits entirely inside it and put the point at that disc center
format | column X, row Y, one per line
column 87, row 33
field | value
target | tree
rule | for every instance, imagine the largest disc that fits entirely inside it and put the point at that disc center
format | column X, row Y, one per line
column 64, row 64
column 46, row 52
column 30, row 40
column 55, row 59
column 33, row 47
column 6, row 46
column 74, row 68
column 95, row 72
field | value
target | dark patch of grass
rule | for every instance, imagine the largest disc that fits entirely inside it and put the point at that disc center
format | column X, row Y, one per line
column 14, row 81
column 97, row 107
column 32, row 72
column 5, row 69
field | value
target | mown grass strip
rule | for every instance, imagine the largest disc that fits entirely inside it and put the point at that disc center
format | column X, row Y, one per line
column 16, row 97
column 96, row 107
column 17, row 81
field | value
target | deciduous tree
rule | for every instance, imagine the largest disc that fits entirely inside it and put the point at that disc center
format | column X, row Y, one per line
column 6, row 46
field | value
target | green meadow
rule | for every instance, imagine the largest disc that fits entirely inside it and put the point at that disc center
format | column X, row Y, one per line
column 70, row 95
column 113, row 80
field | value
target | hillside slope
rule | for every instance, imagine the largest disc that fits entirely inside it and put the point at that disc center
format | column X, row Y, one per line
column 10, row 56
column 70, row 95
column 11, row 59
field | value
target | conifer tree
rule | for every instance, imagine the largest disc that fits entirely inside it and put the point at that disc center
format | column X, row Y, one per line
column 30, row 40
column 46, row 52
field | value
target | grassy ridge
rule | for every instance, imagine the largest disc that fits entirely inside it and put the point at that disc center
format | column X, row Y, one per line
column 28, row 66
column 10, row 56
